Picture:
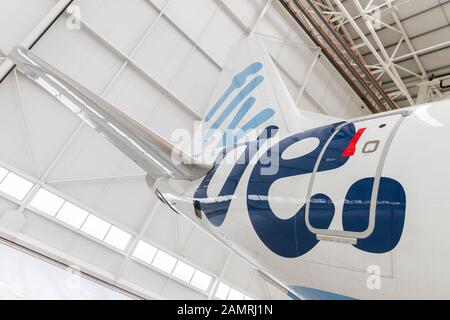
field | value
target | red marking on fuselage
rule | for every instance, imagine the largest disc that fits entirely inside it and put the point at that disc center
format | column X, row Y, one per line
column 351, row 148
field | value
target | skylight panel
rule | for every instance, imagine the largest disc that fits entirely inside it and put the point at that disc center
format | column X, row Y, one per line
column 72, row 215
column 96, row 227
column 145, row 252
column 164, row 261
column 15, row 186
column 248, row 298
column 3, row 173
column 183, row 271
column 201, row 280
column 235, row 295
column 118, row 238
column 222, row 291
column 47, row 202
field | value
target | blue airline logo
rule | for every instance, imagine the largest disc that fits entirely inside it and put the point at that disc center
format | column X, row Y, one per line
column 291, row 238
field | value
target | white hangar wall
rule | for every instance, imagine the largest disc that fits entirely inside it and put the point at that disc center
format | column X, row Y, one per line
column 157, row 60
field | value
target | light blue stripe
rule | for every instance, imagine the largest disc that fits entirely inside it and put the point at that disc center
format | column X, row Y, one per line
column 229, row 136
column 238, row 99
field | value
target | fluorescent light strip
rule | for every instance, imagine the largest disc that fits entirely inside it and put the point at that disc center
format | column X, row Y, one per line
column 69, row 214
column 118, row 238
column 179, row 270
column 145, row 252
column 3, row 174
column 77, row 218
column 201, row 280
column 85, row 222
column 164, row 261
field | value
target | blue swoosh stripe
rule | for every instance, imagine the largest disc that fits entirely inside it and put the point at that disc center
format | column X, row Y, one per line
column 259, row 119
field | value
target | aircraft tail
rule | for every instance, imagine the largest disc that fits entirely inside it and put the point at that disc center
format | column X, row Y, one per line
column 251, row 96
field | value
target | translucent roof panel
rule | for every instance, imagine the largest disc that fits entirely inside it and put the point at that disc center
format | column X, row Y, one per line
column 159, row 66
column 145, row 252
column 183, row 271
column 235, row 295
column 3, row 173
column 222, row 291
column 118, row 238
column 201, row 280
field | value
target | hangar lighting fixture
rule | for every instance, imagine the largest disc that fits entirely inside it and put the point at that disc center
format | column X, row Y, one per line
column 47, row 202
column 145, row 252
column 96, row 227
column 201, row 280
column 164, row 261
column 222, row 291
column 225, row 292
column 15, row 186
column 118, row 238
column 72, row 215
column 183, row 271
column 235, row 295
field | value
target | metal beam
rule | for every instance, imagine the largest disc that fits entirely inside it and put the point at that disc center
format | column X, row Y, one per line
column 388, row 46
column 327, row 54
column 248, row 30
column 350, row 64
